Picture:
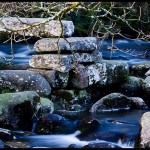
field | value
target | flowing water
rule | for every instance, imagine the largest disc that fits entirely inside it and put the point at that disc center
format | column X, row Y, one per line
column 120, row 127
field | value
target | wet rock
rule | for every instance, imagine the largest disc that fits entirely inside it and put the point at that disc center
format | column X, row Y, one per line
column 111, row 102
column 87, row 124
column 147, row 73
column 106, row 72
column 24, row 80
column 101, row 145
column 50, row 29
column 79, row 77
column 54, row 123
column 18, row 108
column 140, row 69
column 137, row 102
column 17, row 144
column 56, row 79
column 77, row 44
column 63, row 62
column 132, row 87
column 143, row 139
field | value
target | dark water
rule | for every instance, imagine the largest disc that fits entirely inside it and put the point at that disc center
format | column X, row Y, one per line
column 117, row 127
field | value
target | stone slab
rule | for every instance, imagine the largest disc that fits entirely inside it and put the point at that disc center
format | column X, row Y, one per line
column 49, row 29
column 77, row 44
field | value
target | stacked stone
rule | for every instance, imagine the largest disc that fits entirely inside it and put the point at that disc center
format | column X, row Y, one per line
column 72, row 64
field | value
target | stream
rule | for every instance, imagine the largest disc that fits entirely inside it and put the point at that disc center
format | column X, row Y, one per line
column 120, row 128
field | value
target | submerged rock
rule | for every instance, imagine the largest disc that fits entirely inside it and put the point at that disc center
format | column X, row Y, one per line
column 101, row 144
column 143, row 139
column 77, row 44
column 24, row 80
column 56, row 79
column 111, row 102
column 106, row 72
column 54, row 123
column 140, row 69
column 87, row 124
column 48, row 29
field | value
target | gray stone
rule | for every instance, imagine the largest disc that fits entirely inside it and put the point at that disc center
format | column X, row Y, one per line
column 147, row 73
column 146, row 85
column 79, row 77
column 111, row 102
column 63, row 62
column 106, row 72
column 49, row 29
column 9, row 100
column 24, row 80
column 137, row 102
column 17, row 144
column 140, row 68
column 143, row 139
column 77, row 44
column 55, row 78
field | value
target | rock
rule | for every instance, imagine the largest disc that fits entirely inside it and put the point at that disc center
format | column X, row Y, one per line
column 55, row 78
column 17, row 67
column 77, row 44
column 147, row 73
column 79, row 77
column 63, row 62
column 132, row 87
column 146, row 85
column 1, row 144
column 87, row 124
column 111, row 102
column 18, row 108
column 50, row 29
column 101, row 144
column 24, row 80
column 54, row 124
column 140, row 69
column 17, row 144
column 143, row 139
column 74, row 146
column 64, row 99
column 44, row 106
column 106, row 72
column 137, row 103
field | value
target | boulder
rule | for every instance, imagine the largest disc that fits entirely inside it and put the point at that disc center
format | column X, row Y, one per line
column 18, row 108
column 49, row 29
column 111, row 102
column 55, row 78
column 143, row 139
column 140, row 69
column 106, row 72
column 146, row 85
column 24, row 80
column 17, row 144
column 63, row 62
column 77, row 44
column 54, row 124
column 132, row 87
